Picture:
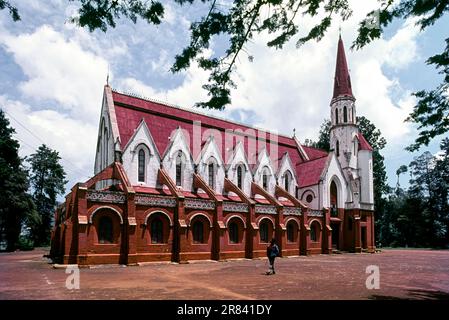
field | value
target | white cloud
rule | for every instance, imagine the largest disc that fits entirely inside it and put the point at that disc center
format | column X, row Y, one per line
column 72, row 138
column 59, row 69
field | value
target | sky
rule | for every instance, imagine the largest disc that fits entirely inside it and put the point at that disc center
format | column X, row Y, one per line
column 52, row 74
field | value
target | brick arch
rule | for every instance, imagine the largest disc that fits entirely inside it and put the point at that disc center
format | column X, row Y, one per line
column 238, row 217
column 150, row 212
column 202, row 215
column 105, row 208
column 319, row 223
column 266, row 218
column 293, row 219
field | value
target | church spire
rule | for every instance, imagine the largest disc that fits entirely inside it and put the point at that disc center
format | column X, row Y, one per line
column 342, row 80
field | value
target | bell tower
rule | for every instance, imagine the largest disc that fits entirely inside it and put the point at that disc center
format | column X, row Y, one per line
column 344, row 130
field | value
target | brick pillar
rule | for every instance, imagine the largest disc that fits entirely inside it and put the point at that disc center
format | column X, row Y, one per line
column 305, row 233
column 327, row 232
column 218, row 231
column 358, row 234
column 130, row 225
column 250, row 231
column 280, row 229
column 81, row 203
column 181, row 245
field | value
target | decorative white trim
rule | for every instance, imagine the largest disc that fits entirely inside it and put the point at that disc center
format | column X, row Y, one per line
column 155, row 212
column 267, row 209
column 107, row 208
column 235, row 207
column 157, row 201
column 199, row 204
column 293, row 211
column 106, row 196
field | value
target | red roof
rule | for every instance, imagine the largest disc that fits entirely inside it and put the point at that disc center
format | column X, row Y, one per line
column 342, row 81
column 309, row 172
column 363, row 144
column 162, row 120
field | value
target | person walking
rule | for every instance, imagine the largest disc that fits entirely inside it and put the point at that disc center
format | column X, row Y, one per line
column 272, row 253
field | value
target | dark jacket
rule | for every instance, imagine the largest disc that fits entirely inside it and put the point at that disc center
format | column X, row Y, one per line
column 272, row 251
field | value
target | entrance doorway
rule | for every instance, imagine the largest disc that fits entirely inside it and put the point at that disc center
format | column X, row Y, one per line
column 364, row 245
column 335, row 235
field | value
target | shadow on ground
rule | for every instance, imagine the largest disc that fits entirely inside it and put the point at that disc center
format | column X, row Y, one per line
column 415, row 295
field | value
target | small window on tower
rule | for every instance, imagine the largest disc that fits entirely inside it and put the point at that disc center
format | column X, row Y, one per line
column 337, row 148
column 336, row 116
column 345, row 114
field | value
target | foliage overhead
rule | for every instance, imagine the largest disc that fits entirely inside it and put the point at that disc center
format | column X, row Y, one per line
column 241, row 20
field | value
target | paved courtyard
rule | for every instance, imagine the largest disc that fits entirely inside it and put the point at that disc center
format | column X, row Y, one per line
column 404, row 274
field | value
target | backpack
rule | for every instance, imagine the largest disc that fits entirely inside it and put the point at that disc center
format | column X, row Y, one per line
column 275, row 251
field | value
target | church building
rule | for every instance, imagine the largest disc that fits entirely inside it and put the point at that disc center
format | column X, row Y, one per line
column 174, row 184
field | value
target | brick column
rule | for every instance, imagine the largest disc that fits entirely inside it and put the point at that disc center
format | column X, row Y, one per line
column 327, row 232
column 305, row 234
column 180, row 242
column 358, row 234
column 130, row 227
column 218, row 231
column 81, row 204
column 250, row 231
column 280, row 229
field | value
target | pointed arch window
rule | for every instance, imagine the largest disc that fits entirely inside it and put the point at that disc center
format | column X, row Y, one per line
column 345, row 114
column 141, row 166
column 179, row 167
column 313, row 232
column 287, row 180
column 336, row 116
column 352, row 115
column 211, row 174
column 265, row 176
column 337, row 148
column 105, row 147
column 240, row 176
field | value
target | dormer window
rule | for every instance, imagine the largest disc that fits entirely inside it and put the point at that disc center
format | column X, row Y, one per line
column 211, row 174
column 287, row 180
column 240, row 176
column 265, row 176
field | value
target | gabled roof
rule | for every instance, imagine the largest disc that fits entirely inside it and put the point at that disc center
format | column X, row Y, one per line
column 309, row 172
column 363, row 144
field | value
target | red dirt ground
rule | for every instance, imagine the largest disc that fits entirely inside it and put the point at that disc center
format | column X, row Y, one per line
column 404, row 274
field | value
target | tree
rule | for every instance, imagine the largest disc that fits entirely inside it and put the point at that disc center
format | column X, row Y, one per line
column 402, row 169
column 15, row 203
column 48, row 180
column 323, row 136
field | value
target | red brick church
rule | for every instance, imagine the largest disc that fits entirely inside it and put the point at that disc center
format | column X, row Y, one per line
column 174, row 184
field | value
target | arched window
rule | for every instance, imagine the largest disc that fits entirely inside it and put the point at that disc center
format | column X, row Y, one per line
column 233, row 232
column 157, row 231
column 211, row 174
column 263, row 231
column 345, row 114
column 240, row 176
column 105, row 147
column 287, row 180
column 291, row 232
column 314, row 232
column 265, row 175
column 336, row 116
column 352, row 115
column 141, row 166
column 334, row 199
column 198, row 232
column 179, row 167
column 105, row 230
column 337, row 148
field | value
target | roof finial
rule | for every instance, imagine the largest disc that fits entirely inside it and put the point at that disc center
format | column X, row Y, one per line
column 339, row 31
column 107, row 77
column 294, row 132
